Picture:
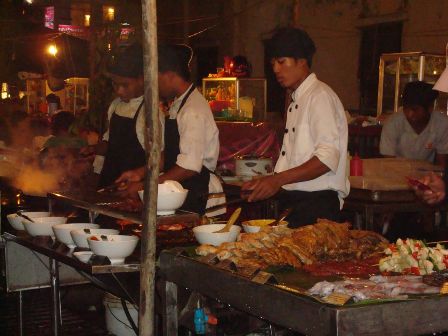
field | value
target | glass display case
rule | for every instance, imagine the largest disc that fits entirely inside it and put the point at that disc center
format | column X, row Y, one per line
column 76, row 98
column 398, row 69
column 236, row 99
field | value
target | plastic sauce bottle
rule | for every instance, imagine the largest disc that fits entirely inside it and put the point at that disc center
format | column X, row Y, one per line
column 356, row 166
column 200, row 320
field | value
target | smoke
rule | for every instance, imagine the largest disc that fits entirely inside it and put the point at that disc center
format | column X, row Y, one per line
column 55, row 169
column 34, row 181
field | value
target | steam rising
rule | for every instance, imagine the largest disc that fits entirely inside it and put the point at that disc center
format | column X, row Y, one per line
column 34, row 181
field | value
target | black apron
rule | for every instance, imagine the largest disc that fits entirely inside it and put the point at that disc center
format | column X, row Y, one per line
column 309, row 206
column 124, row 151
column 197, row 185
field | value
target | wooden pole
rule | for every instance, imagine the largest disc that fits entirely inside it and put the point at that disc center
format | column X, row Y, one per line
column 152, row 140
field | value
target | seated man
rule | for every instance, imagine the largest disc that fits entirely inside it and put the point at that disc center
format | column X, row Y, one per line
column 416, row 132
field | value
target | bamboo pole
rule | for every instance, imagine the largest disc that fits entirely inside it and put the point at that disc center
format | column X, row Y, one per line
column 152, row 141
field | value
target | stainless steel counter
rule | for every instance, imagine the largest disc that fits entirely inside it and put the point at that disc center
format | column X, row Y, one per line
column 286, row 307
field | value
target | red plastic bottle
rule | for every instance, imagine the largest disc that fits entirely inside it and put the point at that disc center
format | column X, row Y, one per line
column 356, row 166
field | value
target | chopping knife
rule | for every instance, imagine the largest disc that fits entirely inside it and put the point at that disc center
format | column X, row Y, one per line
column 228, row 193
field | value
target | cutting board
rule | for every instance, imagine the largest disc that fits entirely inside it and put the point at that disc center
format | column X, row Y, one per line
column 390, row 173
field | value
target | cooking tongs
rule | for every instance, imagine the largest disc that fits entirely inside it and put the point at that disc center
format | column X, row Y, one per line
column 233, row 201
column 111, row 188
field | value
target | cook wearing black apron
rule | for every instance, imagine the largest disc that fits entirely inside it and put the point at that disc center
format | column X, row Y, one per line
column 197, row 185
column 309, row 206
column 124, row 151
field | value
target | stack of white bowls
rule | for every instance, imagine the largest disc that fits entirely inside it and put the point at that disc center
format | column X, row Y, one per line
column 42, row 226
column 16, row 221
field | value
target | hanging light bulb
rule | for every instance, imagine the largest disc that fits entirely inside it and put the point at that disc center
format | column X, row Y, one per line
column 52, row 49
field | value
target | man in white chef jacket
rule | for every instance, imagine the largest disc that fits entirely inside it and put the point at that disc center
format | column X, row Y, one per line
column 191, row 137
column 310, row 174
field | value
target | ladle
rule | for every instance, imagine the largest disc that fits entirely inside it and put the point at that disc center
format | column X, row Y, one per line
column 230, row 222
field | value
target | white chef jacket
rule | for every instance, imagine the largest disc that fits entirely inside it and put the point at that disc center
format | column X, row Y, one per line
column 199, row 139
column 316, row 125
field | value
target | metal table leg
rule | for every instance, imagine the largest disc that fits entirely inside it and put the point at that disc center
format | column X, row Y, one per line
column 170, row 319
column 56, row 304
column 20, row 312
column 50, row 205
column 92, row 216
column 370, row 225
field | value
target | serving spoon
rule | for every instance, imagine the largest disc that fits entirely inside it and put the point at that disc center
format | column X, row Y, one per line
column 230, row 222
column 18, row 213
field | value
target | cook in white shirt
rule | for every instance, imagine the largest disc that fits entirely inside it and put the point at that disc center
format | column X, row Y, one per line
column 126, row 110
column 310, row 174
column 191, row 137
column 122, row 147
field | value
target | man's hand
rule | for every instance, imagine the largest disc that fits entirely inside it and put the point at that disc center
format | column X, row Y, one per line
column 134, row 175
column 87, row 152
column 130, row 190
column 262, row 188
column 437, row 192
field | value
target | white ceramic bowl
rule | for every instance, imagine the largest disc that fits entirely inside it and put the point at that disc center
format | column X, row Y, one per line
column 62, row 232
column 205, row 234
column 16, row 220
column 83, row 256
column 168, row 201
column 116, row 247
column 253, row 226
column 42, row 226
column 80, row 236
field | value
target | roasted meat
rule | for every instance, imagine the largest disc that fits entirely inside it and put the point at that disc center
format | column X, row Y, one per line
column 322, row 242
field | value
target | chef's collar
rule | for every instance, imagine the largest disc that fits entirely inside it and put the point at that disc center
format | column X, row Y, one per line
column 303, row 86
column 183, row 94
column 176, row 103
column 132, row 101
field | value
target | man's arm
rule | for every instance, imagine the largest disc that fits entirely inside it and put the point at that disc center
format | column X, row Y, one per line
column 326, row 134
column 177, row 173
column 268, row 186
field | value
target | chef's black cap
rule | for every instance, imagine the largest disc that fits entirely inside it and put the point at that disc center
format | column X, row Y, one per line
column 175, row 58
column 419, row 94
column 291, row 42
column 128, row 62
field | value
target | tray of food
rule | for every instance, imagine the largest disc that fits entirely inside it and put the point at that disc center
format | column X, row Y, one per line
column 327, row 261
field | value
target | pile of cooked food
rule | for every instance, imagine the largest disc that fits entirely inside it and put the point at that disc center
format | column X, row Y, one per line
column 324, row 241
